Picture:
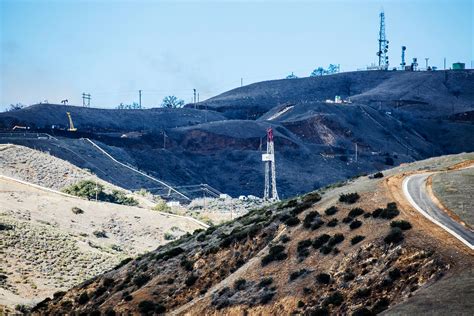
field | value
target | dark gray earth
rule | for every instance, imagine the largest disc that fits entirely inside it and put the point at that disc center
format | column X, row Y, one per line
column 394, row 117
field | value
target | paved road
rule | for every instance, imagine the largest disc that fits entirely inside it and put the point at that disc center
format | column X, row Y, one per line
column 414, row 188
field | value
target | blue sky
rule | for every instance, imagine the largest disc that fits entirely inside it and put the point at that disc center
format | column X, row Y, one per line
column 54, row 50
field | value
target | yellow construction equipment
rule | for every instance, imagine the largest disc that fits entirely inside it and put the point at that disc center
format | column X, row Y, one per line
column 71, row 124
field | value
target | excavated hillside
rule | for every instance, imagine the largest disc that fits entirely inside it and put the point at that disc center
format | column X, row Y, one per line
column 394, row 117
column 351, row 248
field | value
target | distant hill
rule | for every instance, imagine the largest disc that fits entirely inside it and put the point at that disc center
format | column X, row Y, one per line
column 393, row 117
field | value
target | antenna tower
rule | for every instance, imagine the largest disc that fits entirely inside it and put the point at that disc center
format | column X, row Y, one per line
column 270, row 172
column 403, row 64
column 383, row 44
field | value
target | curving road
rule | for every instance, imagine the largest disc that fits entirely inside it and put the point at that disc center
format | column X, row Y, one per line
column 414, row 188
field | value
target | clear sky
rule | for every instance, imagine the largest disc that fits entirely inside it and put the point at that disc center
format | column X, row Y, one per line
column 54, row 50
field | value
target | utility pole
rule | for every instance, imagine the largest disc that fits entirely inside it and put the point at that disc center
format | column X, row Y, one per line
column 86, row 96
column 140, row 98
column 194, row 99
column 242, row 81
column 426, row 60
column 198, row 97
column 270, row 172
column 444, row 63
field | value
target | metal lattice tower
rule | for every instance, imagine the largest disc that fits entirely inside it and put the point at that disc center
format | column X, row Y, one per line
column 270, row 171
column 383, row 44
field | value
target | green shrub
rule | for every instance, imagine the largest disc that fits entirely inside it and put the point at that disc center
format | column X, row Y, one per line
column 190, row 280
column 321, row 240
column 331, row 211
column 389, row 212
column 312, row 197
column 119, row 197
column 318, row 222
column 100, row 234
column 161, row 206
column 333, row 222
column 323, row 278
column 347, row 220
column 326, row 249
column 141, row 279
column 265, row 282
column 292, row 221
column 349, row 198
column 83, row 298
column 356, row 239
column 186, row 264
column 169, row 236
column 355, row 224
column 146, row 306
column 336, row 239
column 86, row 189
column 335, row 299
column 356, row 212
column 275, row 254
column 239, row 284
column 296, row 274
column 378, row 175
column 402, row 224
column 309, row 218
column 77, row 210
column 267, row 297
column 285, row 238
column 394, row 236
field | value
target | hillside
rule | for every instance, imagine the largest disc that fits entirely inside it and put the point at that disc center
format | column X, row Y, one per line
column 395, row 117
column 50, row 241
column 317, row 254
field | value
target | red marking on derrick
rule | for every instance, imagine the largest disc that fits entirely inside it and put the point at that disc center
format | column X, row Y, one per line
column 270, row 134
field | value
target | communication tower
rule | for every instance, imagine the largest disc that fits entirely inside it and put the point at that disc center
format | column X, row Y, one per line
column 403, row 64
column 383, row 44
column 270, row 172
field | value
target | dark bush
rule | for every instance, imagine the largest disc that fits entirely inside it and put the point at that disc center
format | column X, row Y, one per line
column 321, row 240
column 99, row 291
column 285, row 238
column 83, row 298
column 309, row 218
column 123, row 262
column 378, row 175
column 110, row 312
column 319, row 311
column 380, row 305
column 318, row 222
column 100, row 234
column 335, row 299
column 394, row 274
column 108, row 282
column 239, row 284
column 331, row 211
column 356, row 239
column 146, row 306
column 367, row 215
column 362, row 311
column 173, row 252
column 348, row 276
column 300, row 304
column 355, row 224
column 403, row 225
column 363, row 292
column 356, row 212
column 336, row 239
column 275, row 254
column 267, row 297
column 325, row 250
column 312, row 197
column 336, row 250
column 300, row 208
column 296, row 274
column 187, row 265
column 292, row 221
column 323, row 278
column 395, row 236
column 332, row 222
column 303, row 244
column 190, row 280
column 265, row 282
column 141, row 279
column 201, row 237
column 349, row 198
column 77, row 210
column 389, row 212
column 5, row 227
column 347, row 220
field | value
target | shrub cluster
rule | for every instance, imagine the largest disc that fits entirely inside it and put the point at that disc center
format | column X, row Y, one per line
column 320, row 241
column 402, row 224
column 239, row 284
column 76, row 210
column 190, row 280
column 389, row 212
column 302, row 248
column 349, row 198
column 335, row 299
column 395, row 236
column 296, row 274
column 331, row 211
column 336, row 239
column 89, row 189
column 147, row 306
column 355, row 212
column 355, row 224
column 333, row 222
column 308, row 220
column 323, row 278
column 276, row 253
column 378, row 175
column 356, row 239
column 265, row 282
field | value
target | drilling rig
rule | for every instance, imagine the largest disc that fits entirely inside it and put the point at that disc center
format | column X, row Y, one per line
column 270, row 171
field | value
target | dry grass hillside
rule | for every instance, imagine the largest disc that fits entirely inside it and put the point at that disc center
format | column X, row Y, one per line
column 51, row 241
column 351, row 248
